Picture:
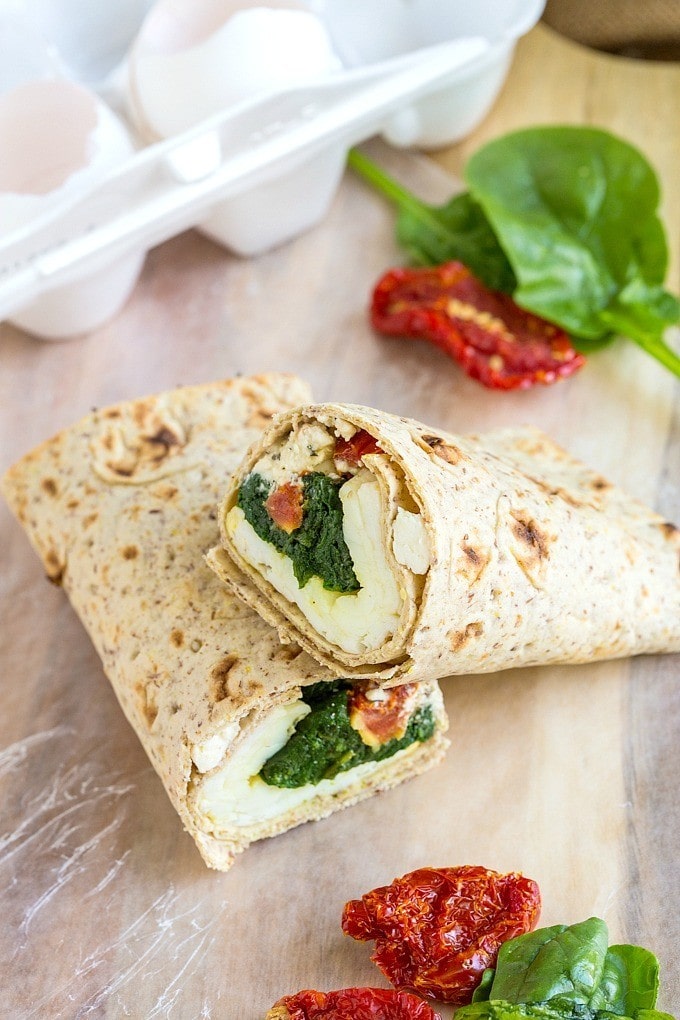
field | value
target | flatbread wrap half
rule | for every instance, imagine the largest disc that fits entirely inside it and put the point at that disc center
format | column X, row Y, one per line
column 388, row 549
column 249, row 737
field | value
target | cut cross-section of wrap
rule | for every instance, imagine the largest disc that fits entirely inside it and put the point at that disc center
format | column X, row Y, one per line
column 248, row 736
column 389, row 550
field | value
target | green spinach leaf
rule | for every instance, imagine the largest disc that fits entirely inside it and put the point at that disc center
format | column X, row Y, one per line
column 317, row 548
column 564, row 961
column 575, row 210
column 570, row 973
column 630, row 980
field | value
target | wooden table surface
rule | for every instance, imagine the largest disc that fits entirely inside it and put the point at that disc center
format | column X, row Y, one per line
column 567, row 774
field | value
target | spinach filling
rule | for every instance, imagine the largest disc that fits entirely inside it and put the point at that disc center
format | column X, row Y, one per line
column 317, row 548
column 325, row 743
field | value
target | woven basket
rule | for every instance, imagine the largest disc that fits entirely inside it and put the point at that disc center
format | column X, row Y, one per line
column 647, row 30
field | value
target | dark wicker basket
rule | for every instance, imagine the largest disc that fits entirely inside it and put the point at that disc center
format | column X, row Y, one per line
column 648, row 30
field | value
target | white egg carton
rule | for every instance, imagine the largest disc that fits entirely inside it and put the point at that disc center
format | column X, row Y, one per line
column 252, row 173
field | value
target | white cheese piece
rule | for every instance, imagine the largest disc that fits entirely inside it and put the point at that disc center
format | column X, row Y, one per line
column 210, row 752
column 309, row 449
column 409, row 542
column 345, row 429
column 355, row 621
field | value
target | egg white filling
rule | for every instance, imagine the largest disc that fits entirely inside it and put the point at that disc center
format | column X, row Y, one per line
column 357, row 621
column 234, row 795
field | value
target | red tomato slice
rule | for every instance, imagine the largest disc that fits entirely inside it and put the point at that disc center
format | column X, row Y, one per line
column 383, row 719
column 285, row 506
column 493, row 339
column 351, row 451
column 352, row 1004
column 437, row 929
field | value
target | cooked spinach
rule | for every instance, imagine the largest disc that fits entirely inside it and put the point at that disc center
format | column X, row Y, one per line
column 325, row 743
column 564, row 219
column 568, row 973
column 317, row 548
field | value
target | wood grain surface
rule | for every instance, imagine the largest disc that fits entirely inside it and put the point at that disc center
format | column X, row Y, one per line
column 567, row 774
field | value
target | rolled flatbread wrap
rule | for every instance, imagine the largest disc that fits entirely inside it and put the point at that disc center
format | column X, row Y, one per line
column 248, row 736
column 388, row 550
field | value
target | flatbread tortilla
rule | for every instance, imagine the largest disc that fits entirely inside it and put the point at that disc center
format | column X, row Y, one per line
column 474, row 553
column 121, row 509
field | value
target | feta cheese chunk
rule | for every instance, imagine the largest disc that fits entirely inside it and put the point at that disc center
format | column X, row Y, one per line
column 409, row 542
column 308, row 449
column 210, row 752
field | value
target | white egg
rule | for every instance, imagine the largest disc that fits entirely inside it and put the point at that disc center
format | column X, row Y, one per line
column 193, row 58
column 57, row 140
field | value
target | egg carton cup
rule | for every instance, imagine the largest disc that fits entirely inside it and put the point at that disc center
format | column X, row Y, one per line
column 255, row 174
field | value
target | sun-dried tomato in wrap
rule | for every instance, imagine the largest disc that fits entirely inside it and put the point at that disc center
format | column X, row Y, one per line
column 249, row 737
column 389, row 550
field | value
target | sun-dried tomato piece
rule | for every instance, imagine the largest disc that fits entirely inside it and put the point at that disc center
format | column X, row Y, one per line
column 437, row 929
column 350, row 452
column 285, row 506
column 381, row 715
column 494, row 340
column 352, row 1004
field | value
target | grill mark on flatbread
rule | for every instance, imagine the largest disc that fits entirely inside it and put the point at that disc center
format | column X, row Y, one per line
column 474, row 561
column 459, row 638
column 532, row 548
column 672, row 533
column 527, row 531
column 49, row 486
column 261, row 413
column 144, row 446
column 219, row 678
column 446, row 451
column 288, row 653
column 54, row 567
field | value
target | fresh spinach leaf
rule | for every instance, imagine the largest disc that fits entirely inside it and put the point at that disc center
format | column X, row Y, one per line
column 481, row 992
column 564, row 961
column 325, row 743
column 575, row 210
column 570, row 973
column 630, row 980
column 317, row 548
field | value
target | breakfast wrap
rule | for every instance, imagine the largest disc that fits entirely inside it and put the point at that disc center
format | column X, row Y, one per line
column 248, row 736
column 389, row 550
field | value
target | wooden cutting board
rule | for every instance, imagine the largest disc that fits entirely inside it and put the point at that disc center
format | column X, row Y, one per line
column 569, row 774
